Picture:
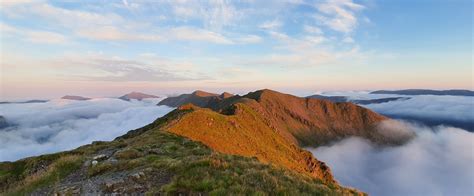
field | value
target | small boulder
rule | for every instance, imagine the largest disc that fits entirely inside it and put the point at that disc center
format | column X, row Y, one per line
column 100, row 157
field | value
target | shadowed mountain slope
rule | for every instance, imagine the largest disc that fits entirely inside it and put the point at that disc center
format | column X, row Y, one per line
column 198, row 98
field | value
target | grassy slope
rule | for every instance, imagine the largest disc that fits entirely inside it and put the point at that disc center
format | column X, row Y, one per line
column 184, row 166
column 245, row 133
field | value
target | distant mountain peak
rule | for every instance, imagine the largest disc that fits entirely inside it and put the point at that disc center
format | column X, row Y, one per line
column 201, row 93
column 452, row 92
column 137, row 96
column 75, row 97
column 226, row 95
column 199, row 98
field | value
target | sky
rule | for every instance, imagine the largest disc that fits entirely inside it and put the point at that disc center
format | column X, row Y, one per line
column 108, row 48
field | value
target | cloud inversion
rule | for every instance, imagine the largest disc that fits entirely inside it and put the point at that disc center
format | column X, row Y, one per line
column 438, row 161
column 58, row 125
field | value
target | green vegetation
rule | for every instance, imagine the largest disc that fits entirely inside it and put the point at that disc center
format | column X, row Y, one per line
column 57, row 170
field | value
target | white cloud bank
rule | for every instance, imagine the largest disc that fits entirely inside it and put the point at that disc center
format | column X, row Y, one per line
column 439, row 161
column 430, row 106
column 58, row 125
column 457, row 111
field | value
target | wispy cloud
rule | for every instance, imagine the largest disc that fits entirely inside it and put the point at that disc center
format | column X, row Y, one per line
column 194, row 34
column 151, row 68
column 312, row 29
column 339, row 15
column 34, row 36
column 113, row 27
column 213, row 14
column 271, row 25
column 46, row 37
column 249, row 39
column 112, row 33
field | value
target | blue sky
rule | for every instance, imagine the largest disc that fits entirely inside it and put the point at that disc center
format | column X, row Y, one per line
column 105, row 48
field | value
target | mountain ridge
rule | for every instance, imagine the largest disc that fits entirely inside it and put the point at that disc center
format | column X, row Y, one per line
column 307, row 121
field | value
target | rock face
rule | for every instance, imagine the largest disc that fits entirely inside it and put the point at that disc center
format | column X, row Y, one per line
column 75, row 97
column 137, row 96
column 198, row 98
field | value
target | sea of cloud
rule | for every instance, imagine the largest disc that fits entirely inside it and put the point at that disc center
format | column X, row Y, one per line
column 57, row 125
column 438, row 161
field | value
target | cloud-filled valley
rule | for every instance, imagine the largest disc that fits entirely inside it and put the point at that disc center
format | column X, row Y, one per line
column 39, row 128
column 438, row 161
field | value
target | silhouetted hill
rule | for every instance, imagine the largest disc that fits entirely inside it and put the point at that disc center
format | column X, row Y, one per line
column 75, row 97
column 426, row 92
column 339, row 99
column 20, row 102
column 137, row 96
